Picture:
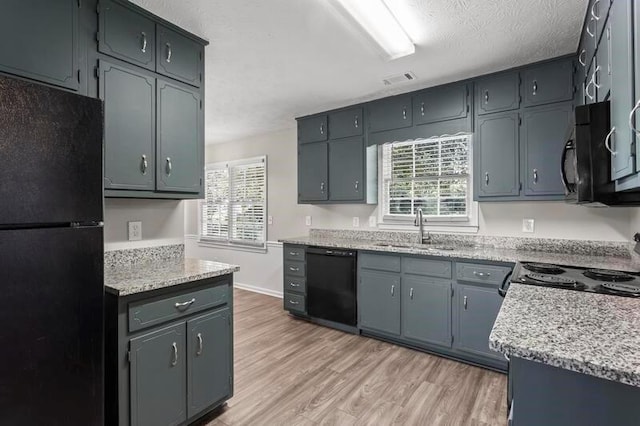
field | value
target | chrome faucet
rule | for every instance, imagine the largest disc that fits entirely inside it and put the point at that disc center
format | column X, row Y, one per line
column 419, row 222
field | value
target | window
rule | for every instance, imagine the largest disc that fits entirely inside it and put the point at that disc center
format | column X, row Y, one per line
column 429, row 174
column 235, row 204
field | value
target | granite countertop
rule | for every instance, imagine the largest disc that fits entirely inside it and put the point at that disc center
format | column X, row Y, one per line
column 479, row 252
column 125, row 280
column 589, row 333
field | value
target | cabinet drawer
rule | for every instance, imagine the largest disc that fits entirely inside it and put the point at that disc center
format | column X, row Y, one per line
column 294, row 302
column 151, row 312
column 432, row 268
column 127, row 35
column 294, row 253
column 294, row 268
column 312, row 129
column 345, row 123
column 490, row 274
column 440, row 104
column 295, row 284
column 179, row 57
column 390, row 113
column 380, row 262
column 498, row 93
column 547, row 83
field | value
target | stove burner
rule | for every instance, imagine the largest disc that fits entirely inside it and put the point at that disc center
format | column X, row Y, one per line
column 543, row 268
column 607, row 275
column 625, row 289
column 555, row 281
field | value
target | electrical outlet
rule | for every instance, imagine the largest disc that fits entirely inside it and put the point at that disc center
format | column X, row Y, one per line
column 528, row 225
column 356, row 222
column 135, row 231
column 372, row 221
column 307, row 220
column 270, row 220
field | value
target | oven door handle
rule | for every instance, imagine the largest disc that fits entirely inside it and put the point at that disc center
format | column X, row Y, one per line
column 563, row 171
column 502, row 291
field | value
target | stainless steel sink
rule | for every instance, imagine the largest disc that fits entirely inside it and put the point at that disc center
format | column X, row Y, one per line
column 394, row 245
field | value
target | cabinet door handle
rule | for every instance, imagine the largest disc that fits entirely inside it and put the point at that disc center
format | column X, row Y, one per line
column 322, row 128
column 535, row 176
column 589, row 95
column 591, row 33
column 404, row 113
column 486, row 96
column 535, row 87
column 144, row 42
column 411, row 293
column 322, row 187
column 596, row 76
column 464, row 302
column 486, row 178
column 185, row 304
column 631, row 116
column 583, row 57
column 168, row 52
column 293, row 302
column 607, row 141
column 144, row 165
column 199, row 351
column 393, row 289
column 482, row 274
column 355, row 122
column 174, row 362
column 422, row 108
column 169, row 166
column 593, row 13
column 294, row 269
column 294, row 253
column 294, row 285
column 356, row 185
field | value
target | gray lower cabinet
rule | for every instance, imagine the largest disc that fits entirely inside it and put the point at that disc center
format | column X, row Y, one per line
column 426, row 310
column 477, row 309
column 129, row 97
column 542, row 139
column 39, row 40
column 180, row 142
column 346, row 169
column 158, row 377
column 497, row 155
column 295, row 279
column 498, row 93
column 179, row 57
column 313, row 184
column 379, row 301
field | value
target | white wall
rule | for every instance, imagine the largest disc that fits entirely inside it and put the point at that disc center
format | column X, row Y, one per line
column 162, row 222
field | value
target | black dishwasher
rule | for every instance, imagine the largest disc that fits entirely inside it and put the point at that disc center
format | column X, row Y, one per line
column 331, row 284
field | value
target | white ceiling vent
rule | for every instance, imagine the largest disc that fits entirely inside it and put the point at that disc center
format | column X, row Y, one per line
column 399, row 78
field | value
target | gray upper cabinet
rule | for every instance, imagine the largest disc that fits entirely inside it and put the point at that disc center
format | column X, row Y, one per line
column 180, row 144
column 440, row 104
column 547, row 83
column 39, row 40
column 603, row 65
column 129, row 127
column 179, row 57
column 477, row 311
column 498, row 93
column 390, row 113
column 313, row 184
column 622, row 101
column 379, row 301
column 345, row 123
column 426, row 310
column 126, row 35
column 496, row 155
column 543, row 138
column 346, row 165
column 158, row 377
column 313, row 129
column 209, row 360
column 586, row 49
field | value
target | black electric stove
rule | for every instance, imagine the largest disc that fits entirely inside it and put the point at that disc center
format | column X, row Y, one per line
column 603, row 281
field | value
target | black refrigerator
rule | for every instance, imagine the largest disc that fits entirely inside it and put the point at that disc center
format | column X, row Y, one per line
column 51, row 256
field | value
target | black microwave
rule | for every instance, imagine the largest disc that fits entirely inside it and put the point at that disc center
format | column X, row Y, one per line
column 586, row 162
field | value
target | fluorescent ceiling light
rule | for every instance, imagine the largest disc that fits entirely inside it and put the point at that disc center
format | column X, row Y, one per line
column 381, row 25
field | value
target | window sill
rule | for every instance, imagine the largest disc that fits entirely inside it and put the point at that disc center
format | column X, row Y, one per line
column 232, row 246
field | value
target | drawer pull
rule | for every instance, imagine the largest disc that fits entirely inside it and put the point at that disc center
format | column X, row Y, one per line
column 199, row 351
column 174, row 362
column 355, row 122
column 404, row 113
column 185, row 304
column 294, row 285
column 293, row 302
column 144, row 165
column 144, row 42
column 168, row 52
column 464, row 302
column 294, row 253
column 535, row 87
column 482, row 274
column 393, row 290
column 411, row 293
column 292, row 269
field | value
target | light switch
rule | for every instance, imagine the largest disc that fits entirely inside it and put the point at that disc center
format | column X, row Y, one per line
column 270, row 220
column 135, row 231
column 528, row 225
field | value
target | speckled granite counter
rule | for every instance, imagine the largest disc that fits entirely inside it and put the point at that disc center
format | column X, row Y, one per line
column 463, row 250
column 584, row 332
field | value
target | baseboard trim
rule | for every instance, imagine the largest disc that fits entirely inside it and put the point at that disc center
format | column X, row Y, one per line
column 260, row 290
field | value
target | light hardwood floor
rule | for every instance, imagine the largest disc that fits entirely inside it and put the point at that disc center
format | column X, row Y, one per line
column 290, row 372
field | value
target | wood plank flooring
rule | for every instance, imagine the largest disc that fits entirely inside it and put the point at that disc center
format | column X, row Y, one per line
column 290, row 372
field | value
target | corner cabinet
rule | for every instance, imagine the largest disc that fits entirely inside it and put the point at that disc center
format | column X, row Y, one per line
column 169, row 353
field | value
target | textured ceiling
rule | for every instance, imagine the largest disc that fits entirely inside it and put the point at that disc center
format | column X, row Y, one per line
column 272, row 60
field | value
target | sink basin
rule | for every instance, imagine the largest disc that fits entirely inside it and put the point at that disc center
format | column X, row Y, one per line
column 396, row 245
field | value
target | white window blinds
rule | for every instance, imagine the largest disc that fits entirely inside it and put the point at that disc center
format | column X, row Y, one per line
column 235, row 205
column 431, row 174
